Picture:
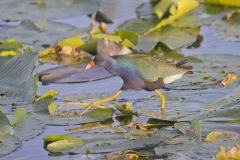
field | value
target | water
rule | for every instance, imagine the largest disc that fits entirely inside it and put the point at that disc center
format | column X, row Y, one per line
column 33, row 149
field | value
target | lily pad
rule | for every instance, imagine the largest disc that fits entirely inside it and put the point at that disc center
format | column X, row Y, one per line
column 173, row 37
column 55, row 9
column 110, row 142
column 21, row 90
column 137, row 25
column 9, row 144
column 184, row 147
column 29, row 33
column 72, row 117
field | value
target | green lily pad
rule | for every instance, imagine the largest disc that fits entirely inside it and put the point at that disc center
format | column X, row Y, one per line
column 137, row 25
column 63, row 144
column 173, row 37
column 72, row 117
column 9, row 144
column 110, row 142
column 55, row 9
column 29, row 33
column 21, row 90
column 183, row 147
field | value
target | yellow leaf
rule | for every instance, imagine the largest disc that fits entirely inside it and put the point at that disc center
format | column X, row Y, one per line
column 178, row 9
column 50, row 93
column 9, row 53
column 53, row 108
column 230, row 78
column 212, row 136
column 233, row 3
column 74, row 41
column 127, row 43
column 46, row 51
column 107, row 36
column 231, row 154
column 125, row 108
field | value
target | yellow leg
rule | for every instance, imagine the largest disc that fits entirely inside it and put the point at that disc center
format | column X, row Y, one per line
column 84, row 104
column 96, row 103
column 163, row 101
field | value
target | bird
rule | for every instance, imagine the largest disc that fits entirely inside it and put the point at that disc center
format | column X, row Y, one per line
column 138, row 71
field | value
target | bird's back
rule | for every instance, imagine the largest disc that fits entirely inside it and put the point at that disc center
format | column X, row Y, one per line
column 150, row 68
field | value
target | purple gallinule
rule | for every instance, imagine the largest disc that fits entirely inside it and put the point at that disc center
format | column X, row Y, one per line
column 137, row 71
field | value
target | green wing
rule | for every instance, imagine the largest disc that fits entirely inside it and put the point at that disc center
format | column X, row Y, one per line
column 151, row 68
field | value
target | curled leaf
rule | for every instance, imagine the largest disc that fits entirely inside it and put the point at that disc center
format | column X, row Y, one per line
column 125, row 108
column 56, row 137
column 212, row 136
column 231, row 154
column 230, row 78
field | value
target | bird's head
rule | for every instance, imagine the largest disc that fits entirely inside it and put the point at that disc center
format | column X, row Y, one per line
column 106, row 49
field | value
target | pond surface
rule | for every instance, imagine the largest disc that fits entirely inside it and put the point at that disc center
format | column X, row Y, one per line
column 31, row 149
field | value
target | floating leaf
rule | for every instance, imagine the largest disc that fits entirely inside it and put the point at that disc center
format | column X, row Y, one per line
column 173, row 37
column 10, row 144
column 54, row 138
column 9, row 53
column 74, row 41
column 10, row 44
column 72, row 117
column 30, row 34
column 212, row 136
column 162, row 8
column 50, row 93
column 230, row 78
column 64, row 144
column 231, row 154
column 129, row 35
column 5, row 128
column 231, row 3
column 125, row 108
column 137, row 25
column 21, row 90
column 19, row 116
column 49, row 10
column 178, row 9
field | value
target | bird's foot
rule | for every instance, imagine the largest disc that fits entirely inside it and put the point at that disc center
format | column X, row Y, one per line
column 89, row 106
